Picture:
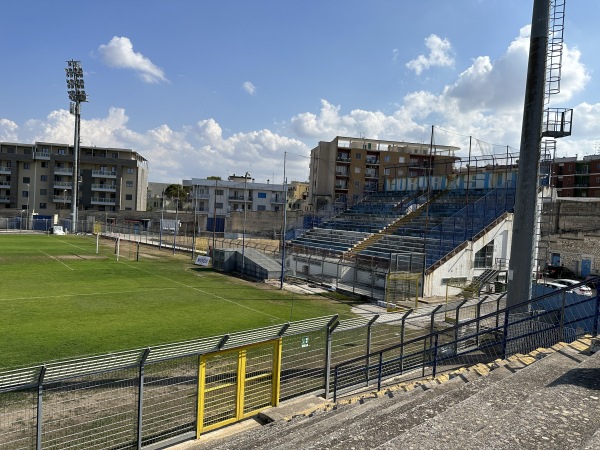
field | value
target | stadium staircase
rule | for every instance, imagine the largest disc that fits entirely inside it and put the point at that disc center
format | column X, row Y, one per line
column 394, row 226
column 545, row 399
column 474, row 287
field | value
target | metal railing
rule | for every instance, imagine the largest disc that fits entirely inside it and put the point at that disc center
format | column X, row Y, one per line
column 540, row 322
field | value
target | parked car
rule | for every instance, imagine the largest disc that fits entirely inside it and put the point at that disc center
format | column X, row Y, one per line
column 595, row 284
column 581, row 290
column 559, row 272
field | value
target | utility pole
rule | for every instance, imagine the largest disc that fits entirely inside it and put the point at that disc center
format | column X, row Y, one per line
column 520, row 267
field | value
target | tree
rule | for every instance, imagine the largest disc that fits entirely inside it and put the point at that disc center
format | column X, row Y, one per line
column 177, row 191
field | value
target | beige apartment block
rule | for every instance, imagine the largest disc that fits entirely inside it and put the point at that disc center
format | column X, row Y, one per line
column 346, row 169
column 39, row 177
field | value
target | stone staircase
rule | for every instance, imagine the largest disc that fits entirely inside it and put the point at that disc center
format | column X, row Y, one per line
column 547, row 399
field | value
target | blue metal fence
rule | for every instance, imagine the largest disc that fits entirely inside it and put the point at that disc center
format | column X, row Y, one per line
column 539, row 322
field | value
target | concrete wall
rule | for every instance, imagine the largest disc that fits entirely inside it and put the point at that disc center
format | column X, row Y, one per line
column 461, row 264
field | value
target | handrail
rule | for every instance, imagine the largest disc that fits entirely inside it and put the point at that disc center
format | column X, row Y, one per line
column 433, row 337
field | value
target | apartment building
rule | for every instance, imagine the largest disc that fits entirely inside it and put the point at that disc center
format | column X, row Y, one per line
column 221, row 197
column 39, row 177
column 347, row 168
column 574, row 177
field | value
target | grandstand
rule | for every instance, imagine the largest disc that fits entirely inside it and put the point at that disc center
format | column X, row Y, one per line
column 442, row 234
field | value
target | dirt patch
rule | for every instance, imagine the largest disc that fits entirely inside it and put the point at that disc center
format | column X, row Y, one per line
column 86, row 257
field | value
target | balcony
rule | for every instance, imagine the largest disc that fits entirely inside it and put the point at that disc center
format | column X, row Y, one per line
column 277, row 200
column 239, row 198
column 63, row 171
column 63, row 185
column 104, row 187
column 203, row 195
column 4, row 184
column 103, row 201
column 341, row 186
column 62, row 199
column 5, row 170
column 104, row 174
column 4, row 199
column 41, row 155
column 343, row 159
column 372, row 161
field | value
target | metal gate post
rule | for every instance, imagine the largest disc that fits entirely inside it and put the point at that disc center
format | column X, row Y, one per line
column 431, row 326
column 38, row 433
column 333, row 323
column 402, row 336
column 505, row 334
column 561, row 329
column 456, row 325
column 368, row 362
column 141, row 397
column 478, row 323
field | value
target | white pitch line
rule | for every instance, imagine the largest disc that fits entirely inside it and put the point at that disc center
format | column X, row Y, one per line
column 208, row 293
column 56, row 259
column 86, row 295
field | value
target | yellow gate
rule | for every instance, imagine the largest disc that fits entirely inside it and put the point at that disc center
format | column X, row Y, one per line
column 237, row 383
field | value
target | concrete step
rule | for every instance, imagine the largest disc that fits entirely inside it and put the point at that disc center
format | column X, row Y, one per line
column 326, row 428
column 515, row 412
column 513, row 404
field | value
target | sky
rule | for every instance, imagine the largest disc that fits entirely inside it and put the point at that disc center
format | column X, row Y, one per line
column 216, row 88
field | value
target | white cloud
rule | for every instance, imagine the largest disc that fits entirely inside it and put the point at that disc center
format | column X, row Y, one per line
column 440, row 55
column 485, row 101
column 119, row 53
column 249, row 87
column 8, row 131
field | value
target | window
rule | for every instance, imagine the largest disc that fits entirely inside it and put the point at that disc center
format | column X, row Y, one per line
column 484, row 258
column 25, row 194
column 26, row 166
column 129, row 184
column 62, row 151
column 357, row 170
column 44, row 164
column 26, row 180
column 219, row 205
column 358, row 156
column 219, row 192
column 262, row 195
column 115, row 155
column 43, row 192
column 357, row 183
column 261, row 208
column 386, row 158
column 401, row 159
column 128, row 197
column 42, row 205
column 386, row 171
column 43, row 177
column 130, row 170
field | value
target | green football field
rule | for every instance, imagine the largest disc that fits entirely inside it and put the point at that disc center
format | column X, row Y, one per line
column 60, row 299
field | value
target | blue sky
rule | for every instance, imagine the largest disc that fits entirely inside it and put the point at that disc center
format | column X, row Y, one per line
column 223, row 87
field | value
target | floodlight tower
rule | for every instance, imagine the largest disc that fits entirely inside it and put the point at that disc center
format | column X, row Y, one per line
column 75, row 89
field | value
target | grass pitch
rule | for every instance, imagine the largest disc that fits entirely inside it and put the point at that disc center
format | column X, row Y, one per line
column 60, row 299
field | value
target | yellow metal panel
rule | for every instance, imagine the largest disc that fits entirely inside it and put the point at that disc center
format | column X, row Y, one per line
column 241, row 383
column 277, row 372
column 201, row 387
column 207, row 392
